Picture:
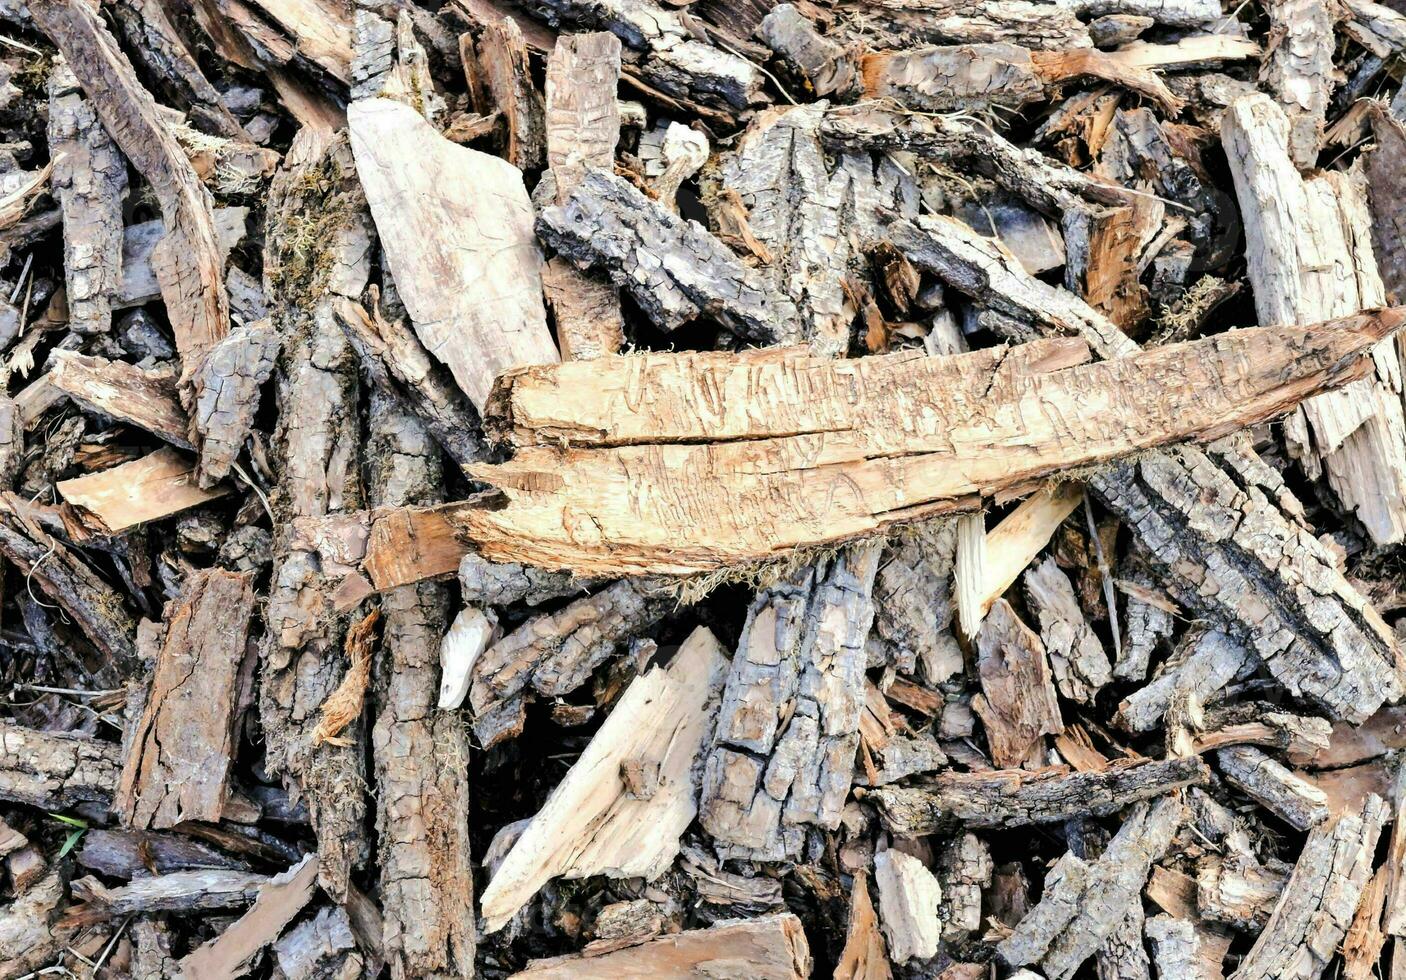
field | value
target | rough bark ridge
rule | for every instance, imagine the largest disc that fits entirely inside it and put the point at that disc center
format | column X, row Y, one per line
column 1084, row 901
column 788, row 727
column 1310, row 256
column 422, row 788
column 319, row 240
column 913, row 605
column 90, row 183
column 1299, row 70
column 812, row 217
column 52, row 771
column 1223, row 547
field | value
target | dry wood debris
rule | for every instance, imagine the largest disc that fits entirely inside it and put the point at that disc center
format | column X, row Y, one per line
column 648, row 488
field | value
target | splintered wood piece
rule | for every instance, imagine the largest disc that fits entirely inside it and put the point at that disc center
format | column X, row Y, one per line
column 323, row 946
column 673, row 268
column 1394, row 914
column 147, row 489
column 1310, row 257
column 590, row 825
column 583, row 126
column 852, row 469
column 188, row 261
column 1362, row 946
column 1084, row 901
column 30, row 938
column 227, row 388
column 422, row 787
column 502, row 53
column 824, row 64
column 90, row 183
column 1017, row 798
column 769, row 947
column 1013, row 544
column 908, row 900
column 1017, row 704
column 467, row 267
column 1183, row 948
column 181, row 891
column 1299, row 71
column 181, row 749
column 1316, row 905
column 788, row 726
column 1296, row 801
column 55, row 771
column 864, row 956
column 280, row 898
column 964, row 869
column 317, row 32
column 1077, row 656
column 144, row 398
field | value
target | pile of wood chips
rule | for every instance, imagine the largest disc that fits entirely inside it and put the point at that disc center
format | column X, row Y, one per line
column 702, row 489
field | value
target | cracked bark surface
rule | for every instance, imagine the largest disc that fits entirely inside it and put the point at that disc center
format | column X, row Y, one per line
column 422, row 790
column 227, row 386
column 54, row 771
column 669, row 265
column 1299, row 71
column 1018, row 798
column 89, row 181
column 788, row 727
column 183, row 745
column 913, row 603
column 1084, row 901
column 315, row 449
column 1077, row 657
column 1017, row 705
column 1294, row 800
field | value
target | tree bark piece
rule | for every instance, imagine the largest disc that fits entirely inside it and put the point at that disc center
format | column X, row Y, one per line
column 672, row 268
column 143, row 490
column 810, row 214
column 1207, row 523
column 90, row 184
column 182, row 747
column 1017, row 798
column 908, row 899
column 770, row 947
column 182, row 891
column 1084, row 901
column 503, row 55
column 788, row 727
column 1077, row 656
column 555, row 653
column 1310, row 256
column 139, row 283
column 1205, row 663
column 583, row 126
column 964, row 870
column 188, row 261
column 825, row 64
column 1238, row 890
column 1386, row 176
column 144, row 398
column 590, row 825
column 317, row 248
column 1033, row 24
column 469, row 271
column 1017, row 704
column 323, row 946
column 672, row 59
column 1295, row 801
column 1316, row 905
column 53, row 771
column 30, row 937
column 422, row 790
column 1182, row 949
column 1299, row 71
column 280, row 899
column 227, row 385
column 913, row 605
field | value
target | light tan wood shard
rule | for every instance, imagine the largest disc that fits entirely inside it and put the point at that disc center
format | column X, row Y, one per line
column 590, row 825
column 143, row 490
column 624, row 463
column 282, row 897
column 863, row 957
column 771, row 947
column 146, row 399
column 908, row 900
column 456, row 225
column 1310, row 257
